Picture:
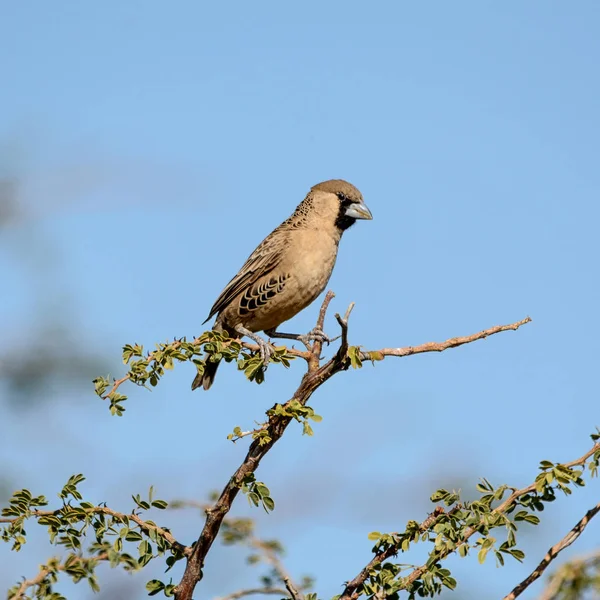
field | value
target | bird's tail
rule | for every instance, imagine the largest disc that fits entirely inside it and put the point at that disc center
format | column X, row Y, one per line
column 207, row 377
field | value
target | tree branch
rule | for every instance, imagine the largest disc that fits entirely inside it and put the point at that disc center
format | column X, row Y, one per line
column 353, row 589
column 554, row 552
column 251, row 591
column 151, row 358
column 570, row 573
column 267, row 551
column 145, row 526
column 293, row 590
column 27, row 583
column 271, row 556
column 451, row 343
column 46, row 571
column 276, row 425
column 389, row 552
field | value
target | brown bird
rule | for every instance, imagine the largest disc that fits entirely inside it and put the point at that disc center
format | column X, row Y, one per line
column 288, row 270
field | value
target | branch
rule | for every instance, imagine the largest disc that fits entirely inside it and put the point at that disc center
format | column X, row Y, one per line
column 151, row 358
column 252, row 591
column 315, row 353
column 276, row 425
column 27, row 583
column 273, row 559
column 353, row 588
column 451, row 343
column 145, row 526
column 389, row 552
column 263, row 547
column 293, row 590
column 570, row 573
column 554, row 552
column 344, row 326
column 45, row 571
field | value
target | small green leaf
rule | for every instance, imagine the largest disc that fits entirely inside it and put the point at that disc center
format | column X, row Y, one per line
column 154, row 587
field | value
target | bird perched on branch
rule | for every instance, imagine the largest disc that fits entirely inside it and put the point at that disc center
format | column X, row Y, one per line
column 287, row 271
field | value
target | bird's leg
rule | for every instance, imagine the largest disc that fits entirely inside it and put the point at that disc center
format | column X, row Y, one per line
column 313, row 335
column 264, row 348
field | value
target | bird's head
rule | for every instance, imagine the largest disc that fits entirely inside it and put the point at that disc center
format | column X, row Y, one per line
column 339, row 201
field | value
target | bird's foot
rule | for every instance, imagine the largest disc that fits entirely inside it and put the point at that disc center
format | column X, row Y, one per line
column 264, row 348
column 316, row 335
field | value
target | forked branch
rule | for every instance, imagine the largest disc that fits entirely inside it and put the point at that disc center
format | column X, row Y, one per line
column 316, row 375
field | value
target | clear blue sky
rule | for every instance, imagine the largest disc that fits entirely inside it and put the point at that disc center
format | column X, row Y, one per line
column 156, row 144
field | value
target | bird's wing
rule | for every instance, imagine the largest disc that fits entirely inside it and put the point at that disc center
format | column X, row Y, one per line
column 261, row 262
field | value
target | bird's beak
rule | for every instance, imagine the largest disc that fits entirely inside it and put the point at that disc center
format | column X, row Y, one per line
column 358, row 210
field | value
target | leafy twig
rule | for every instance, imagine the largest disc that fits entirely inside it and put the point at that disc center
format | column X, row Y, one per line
column 353, row 589
column 145, row 526
column 50, row 569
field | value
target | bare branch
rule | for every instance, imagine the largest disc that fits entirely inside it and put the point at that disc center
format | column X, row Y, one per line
column 314, row 358
column 568, row 572
column 293, row 590
column 343, row 349
column 252, row 591
column 451, row 343
column 267, row 551
column 271, row 556
column 554, row 552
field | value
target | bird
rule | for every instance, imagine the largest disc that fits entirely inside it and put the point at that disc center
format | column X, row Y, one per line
column 287, row 271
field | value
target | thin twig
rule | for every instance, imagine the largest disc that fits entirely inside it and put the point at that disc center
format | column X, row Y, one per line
column 314, row 360
column 268, row 552
column 554, row 552
column 252, row 591
column 176, row 344
column 293, row 590
column 392, row 550
column 27, row 583
column 271, row 557
column 144, row 525
column 451, row 343
column 44, row 572
column 343, row 349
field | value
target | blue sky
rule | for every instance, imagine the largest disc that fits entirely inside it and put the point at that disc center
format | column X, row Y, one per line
column 156, row 145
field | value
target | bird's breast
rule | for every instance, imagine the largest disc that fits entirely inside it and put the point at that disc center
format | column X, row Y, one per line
column 312, row 258
column 307, row 267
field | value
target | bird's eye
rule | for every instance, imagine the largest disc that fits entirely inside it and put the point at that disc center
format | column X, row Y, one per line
column 342, row 196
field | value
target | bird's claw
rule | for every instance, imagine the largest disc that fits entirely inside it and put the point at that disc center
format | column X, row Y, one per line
column 266, row 351
column 315, row 335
